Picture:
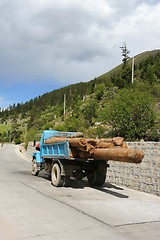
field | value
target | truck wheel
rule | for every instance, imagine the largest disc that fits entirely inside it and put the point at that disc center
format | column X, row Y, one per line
column 92, row 177
column 56, row 176
column 35, row 172
column 97, row 178
column 101, row 177
column 101, row 174
column 65, row 181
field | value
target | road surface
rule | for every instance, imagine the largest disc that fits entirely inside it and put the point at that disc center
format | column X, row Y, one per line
column 32, row 209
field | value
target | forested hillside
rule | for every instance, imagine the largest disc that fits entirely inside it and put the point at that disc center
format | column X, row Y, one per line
column 109, row 105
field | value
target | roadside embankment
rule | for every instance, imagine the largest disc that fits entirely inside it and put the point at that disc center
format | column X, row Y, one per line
column 30, row 149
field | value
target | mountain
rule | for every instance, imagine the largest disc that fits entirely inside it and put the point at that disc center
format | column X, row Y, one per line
column 84, row 106
column 141, row 57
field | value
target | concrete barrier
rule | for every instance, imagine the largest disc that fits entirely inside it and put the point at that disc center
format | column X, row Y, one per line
column 143, row 177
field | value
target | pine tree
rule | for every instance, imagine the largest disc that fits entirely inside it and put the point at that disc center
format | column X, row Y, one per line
column 125, row 54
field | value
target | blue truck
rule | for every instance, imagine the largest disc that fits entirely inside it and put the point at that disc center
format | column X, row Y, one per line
column 69, row 154
column 55, row 158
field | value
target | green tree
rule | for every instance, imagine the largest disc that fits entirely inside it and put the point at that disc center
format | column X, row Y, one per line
column 89, row 111
column 123, row 78
column 99, row 91
column 15, row 133
column 74, row 124
column 149, row 74
column 131, row 114
column 126, row 75
column 125, row 54
column 117, row 80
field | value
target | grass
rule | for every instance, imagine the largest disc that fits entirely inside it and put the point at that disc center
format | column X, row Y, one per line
column 4, row 128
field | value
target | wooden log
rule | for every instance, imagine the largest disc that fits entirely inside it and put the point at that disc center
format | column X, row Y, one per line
column 73, row 153
column 83, row 144
column 119, row 154
column 89, row 148
column 124, row 145
column 104, row 145
column 55, row 140
column 118, row 141
column 92, row 141
column 78, row 143
column 64, row 138
column 107, row 140
column 89, row 144
column 84, row 154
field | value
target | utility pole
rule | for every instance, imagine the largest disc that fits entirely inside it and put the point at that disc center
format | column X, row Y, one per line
column 64, row 104
column 132, row 69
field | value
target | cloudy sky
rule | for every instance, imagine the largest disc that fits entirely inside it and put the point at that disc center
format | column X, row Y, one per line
column 48, row 44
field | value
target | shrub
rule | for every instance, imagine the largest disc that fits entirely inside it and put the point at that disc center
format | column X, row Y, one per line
column 131, row 114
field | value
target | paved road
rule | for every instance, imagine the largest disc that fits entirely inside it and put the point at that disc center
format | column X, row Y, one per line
column 32, row 209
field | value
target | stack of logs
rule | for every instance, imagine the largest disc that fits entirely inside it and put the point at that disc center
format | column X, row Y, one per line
column 100, row 149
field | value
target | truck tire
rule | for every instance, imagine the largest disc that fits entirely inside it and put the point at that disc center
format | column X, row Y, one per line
column 92, row 177
column 96, row 179
column 35, row 171
column 65, row 181
column 101, row 177
column 97, row 176
column 56, row 175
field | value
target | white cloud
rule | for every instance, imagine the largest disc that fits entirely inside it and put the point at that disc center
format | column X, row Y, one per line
column 142, row 26
column 70, row 40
